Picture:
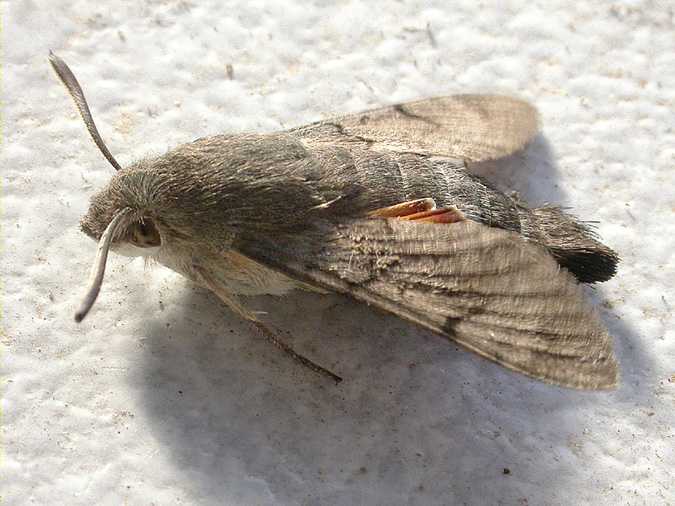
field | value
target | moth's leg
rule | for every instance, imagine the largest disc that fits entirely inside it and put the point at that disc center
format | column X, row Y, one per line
column 271, row 337
column 404, row 209
column 238, row 308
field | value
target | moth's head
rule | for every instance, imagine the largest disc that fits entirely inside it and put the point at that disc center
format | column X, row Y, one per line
column 136, row 236
column 120, row 216
column 138, row 232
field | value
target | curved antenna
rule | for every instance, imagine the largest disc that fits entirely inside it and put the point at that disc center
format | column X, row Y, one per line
column 68, row 79
column 98, row 269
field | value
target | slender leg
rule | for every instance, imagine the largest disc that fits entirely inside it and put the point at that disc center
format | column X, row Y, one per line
column 238, row 308
column 271, row 337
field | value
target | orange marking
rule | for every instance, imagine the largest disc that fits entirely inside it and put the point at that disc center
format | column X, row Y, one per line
column 449, row 216
column 422, row 210
column 404, row 209
column 443, row 215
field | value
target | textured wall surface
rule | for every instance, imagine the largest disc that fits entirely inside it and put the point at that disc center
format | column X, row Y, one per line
column 162, row 396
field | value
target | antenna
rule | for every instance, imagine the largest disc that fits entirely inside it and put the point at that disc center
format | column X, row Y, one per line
column 98, row 269
column 68, row 79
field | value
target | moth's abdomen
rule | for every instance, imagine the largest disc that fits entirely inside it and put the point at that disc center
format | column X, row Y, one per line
column 571, row 243
column 385, row 179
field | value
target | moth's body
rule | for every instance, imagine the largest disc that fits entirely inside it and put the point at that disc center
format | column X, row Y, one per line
column 380, row 206
column 321, row 183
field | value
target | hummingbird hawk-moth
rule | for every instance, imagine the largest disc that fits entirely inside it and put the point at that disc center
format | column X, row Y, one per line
column 380, row 206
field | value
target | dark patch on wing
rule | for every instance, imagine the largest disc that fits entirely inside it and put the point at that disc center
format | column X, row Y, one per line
column 449, row 326
column 401, row 109
column 451, row 323
column 341, row 130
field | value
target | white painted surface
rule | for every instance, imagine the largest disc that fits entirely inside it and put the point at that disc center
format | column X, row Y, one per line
column 163, row 397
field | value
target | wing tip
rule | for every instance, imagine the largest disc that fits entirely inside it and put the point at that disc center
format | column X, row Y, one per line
column 604, row 378
column 516, row 123
column 599, row 374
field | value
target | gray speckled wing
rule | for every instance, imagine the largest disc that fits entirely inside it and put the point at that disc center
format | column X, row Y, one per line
column 488, row 289
column 469, row 127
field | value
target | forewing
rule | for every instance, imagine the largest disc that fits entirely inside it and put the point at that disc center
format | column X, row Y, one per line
column 488, row 289
column 469, row 127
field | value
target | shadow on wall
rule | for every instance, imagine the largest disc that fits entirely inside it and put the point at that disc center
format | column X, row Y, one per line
column 531, row 172
column 416, row 420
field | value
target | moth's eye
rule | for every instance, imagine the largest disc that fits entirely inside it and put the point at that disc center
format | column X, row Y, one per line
column 144, row 234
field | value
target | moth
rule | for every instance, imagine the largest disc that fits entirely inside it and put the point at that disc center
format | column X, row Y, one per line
column 380, row 206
